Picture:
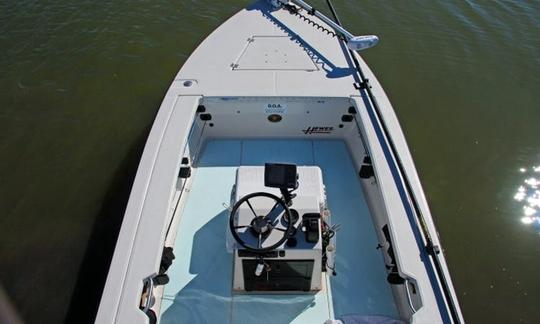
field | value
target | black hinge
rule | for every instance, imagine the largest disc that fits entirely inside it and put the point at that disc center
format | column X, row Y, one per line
column 366, row 170
column 347, row 118
column 185, row 169
column 201, row 109
column 205, row 117
column 185, row 172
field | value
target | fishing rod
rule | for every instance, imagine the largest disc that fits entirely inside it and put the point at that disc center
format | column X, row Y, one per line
column 358, row 43
column 432, row 250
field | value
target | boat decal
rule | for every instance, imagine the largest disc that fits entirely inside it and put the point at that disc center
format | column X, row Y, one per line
column 275, row 108
column 318, row 130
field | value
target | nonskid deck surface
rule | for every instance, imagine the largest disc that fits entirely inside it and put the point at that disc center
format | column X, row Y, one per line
column 200, row 289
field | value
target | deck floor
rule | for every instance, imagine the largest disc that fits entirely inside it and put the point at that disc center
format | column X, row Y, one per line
column 201, row 276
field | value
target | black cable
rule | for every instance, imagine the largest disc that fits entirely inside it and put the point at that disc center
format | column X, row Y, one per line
column 334, row 13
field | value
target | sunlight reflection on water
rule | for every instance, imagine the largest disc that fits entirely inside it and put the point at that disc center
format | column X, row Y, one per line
column 529, row 195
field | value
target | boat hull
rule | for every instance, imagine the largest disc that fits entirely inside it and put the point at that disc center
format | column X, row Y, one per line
column 265, row 62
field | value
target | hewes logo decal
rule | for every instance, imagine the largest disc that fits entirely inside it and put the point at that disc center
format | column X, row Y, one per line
column 275, row 108
column 318, row 130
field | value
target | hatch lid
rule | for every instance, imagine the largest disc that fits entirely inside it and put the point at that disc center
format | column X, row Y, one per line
column 274, row 53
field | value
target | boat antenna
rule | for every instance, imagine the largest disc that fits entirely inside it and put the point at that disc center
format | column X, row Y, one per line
column 355, row 43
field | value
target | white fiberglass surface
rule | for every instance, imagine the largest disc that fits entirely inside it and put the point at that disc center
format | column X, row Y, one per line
column 200, row 287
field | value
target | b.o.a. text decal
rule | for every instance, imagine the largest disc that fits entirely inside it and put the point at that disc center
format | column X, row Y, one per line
column 275, row 108
column 318, row 130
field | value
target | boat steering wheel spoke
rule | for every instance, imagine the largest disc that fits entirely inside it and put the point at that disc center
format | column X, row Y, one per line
column 252, row 209
column 242, row 226
column 261, row 226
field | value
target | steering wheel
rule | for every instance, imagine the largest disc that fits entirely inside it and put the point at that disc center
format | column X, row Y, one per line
column 261, row 225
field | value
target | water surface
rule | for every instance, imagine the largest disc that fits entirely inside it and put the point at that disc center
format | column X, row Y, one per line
column 81, row 82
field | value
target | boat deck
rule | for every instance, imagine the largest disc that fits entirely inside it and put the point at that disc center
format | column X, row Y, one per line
column 200, row 289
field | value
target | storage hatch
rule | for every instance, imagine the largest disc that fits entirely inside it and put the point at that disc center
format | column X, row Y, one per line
column 274, row 53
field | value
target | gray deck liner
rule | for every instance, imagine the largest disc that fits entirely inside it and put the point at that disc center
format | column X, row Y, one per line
column 200, row 287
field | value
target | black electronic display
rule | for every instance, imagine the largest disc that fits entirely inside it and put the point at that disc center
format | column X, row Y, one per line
column 277, row 175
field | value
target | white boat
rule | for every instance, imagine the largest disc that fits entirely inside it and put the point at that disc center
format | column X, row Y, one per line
column 277, row 177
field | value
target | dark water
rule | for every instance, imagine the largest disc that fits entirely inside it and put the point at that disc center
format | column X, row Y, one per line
column 81, row 81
